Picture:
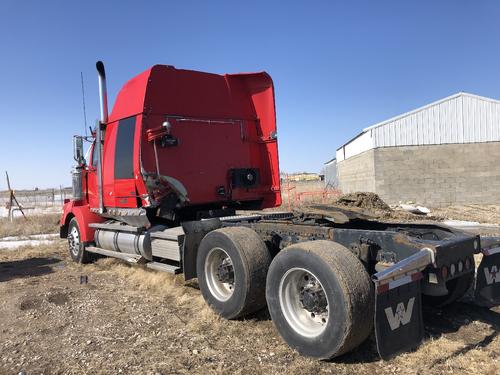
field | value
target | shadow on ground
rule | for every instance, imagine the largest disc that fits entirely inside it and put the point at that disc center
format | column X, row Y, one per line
column 454, row 321
column 26, row 268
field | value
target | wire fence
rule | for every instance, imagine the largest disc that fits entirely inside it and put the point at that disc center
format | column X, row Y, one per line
column 38, row 198
column 294, row 193
column 298, row 193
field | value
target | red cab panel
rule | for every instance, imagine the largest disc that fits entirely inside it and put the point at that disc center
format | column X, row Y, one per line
column 192, row 138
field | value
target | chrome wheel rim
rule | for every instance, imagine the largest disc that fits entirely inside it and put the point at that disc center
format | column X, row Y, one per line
column 304, row 303
column 74, row 241
column 219, row 273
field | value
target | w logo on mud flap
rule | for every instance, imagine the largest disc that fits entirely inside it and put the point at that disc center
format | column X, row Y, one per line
column 491, row 276
column 402, row 315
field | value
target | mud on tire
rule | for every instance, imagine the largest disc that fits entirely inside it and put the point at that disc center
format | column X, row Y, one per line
column 232, row 265
column 345, row 321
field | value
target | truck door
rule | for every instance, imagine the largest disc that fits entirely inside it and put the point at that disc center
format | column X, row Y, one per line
column 92, row 190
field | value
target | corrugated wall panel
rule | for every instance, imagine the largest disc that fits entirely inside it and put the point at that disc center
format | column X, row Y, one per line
column 495, row 120
column 424, row 128
column 331, row 175
column 468, row 124
column 418, row 124
column 360, row 144
column 461, row 119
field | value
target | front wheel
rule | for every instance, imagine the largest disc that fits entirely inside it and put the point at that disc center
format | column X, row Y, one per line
column 320, row 298
column 76, row 246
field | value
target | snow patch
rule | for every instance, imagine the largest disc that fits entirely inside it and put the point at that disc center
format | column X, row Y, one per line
column 14, row 242
column 4, row 212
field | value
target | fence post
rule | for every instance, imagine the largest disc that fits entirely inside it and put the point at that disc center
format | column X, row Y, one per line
column 288, row 191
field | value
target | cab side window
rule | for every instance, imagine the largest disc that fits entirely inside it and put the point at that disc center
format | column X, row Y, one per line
column 124, row 151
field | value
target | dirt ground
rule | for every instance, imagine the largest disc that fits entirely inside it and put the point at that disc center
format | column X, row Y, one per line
column 126, row 319
column 58, row 317
column 474, row 212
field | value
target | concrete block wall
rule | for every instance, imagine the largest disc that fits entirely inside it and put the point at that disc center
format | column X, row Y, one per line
column 434, row 175
column 357, row 173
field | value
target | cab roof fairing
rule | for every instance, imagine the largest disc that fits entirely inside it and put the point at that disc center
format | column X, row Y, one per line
column 163, row 89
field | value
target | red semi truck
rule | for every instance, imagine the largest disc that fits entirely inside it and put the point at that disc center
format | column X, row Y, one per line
column 183, row 150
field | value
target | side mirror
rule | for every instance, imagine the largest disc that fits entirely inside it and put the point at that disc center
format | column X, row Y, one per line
column 78, row 150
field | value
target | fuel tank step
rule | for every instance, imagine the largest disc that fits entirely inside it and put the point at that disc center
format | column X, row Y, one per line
column 157, row 266
column 167, row 244
column 171, row 234
column 131, row 258
column 116, row 226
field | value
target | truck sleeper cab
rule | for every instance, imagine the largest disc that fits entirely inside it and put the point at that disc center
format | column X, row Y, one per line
column 180, row 142
column 182, row 150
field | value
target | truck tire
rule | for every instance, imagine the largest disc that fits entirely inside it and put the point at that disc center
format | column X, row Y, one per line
column 456, row 287
column 232, row 265
column 76, row 246
column 320, row 298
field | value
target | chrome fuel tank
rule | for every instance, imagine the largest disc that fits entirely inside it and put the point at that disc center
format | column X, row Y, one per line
column 127, row 242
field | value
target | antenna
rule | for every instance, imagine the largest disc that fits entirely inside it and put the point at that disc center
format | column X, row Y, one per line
column 83, row 100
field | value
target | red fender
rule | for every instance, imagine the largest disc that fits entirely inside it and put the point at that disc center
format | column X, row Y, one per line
column 83, row 216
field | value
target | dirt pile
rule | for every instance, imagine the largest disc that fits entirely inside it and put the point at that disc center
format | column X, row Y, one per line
column 362, row 200
column 372, row 205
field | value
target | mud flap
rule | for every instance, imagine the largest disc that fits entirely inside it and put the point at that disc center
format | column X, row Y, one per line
column 487, row 291
column 399, row 325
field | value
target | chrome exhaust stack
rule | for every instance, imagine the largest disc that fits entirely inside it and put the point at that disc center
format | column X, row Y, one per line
column 103, row 99
column 103, row 93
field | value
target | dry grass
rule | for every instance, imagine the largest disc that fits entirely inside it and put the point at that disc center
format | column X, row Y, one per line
column 133, row 320
column 57, row 248
column 473, row 212
column 32, row 225
column 130, row 319
column 174, row 288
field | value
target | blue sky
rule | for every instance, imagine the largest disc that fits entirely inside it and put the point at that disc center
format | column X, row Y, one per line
column 337, row 66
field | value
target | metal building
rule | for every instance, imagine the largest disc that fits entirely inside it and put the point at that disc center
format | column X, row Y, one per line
column 330, row 172
column 438, row 154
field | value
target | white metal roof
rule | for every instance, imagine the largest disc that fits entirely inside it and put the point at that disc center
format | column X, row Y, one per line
column 459, row 118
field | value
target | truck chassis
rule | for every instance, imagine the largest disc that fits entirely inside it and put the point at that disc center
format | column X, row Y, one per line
column 321, row 273
column 182, row 150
